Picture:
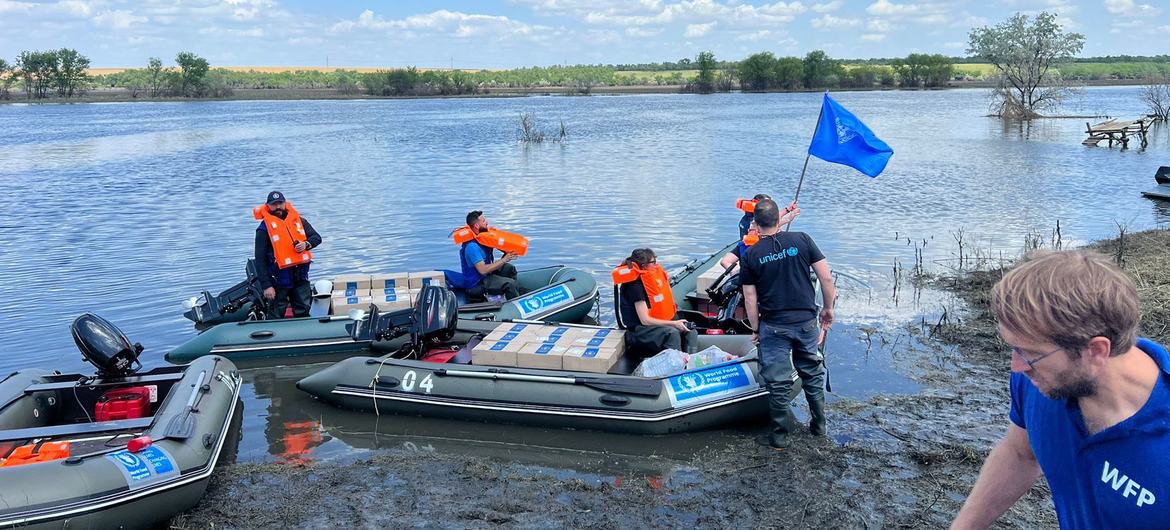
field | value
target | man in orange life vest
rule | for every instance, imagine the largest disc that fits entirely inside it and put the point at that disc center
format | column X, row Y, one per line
column 646, row 307
column 283, row 240
column 483, row 276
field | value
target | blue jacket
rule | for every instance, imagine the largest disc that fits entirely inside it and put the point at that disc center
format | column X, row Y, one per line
column 469, row 254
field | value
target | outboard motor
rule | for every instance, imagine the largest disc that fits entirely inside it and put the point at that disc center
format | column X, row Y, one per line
column 435, row 315
column 105, row 346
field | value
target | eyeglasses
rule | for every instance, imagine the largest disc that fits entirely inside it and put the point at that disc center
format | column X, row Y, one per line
column 1032, row 362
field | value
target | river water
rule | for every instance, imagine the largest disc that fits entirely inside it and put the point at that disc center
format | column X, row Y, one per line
column 127, row 209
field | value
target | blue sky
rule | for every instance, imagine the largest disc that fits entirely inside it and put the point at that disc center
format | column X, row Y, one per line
column 510, row 33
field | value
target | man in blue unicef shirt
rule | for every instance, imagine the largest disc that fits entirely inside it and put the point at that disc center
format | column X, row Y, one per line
column 1090, row 402
column 781, row 306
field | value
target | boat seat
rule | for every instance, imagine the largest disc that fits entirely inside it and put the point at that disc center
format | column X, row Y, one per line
column 75, row 428
column 120, row 381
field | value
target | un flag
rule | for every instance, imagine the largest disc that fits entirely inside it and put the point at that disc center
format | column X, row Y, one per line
column 841, row 138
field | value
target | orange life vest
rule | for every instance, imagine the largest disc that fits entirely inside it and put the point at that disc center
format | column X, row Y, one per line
column 284, row 233
column 657, row 284
column 33, row 453
column 750, row 239
column 501, row 240
column 747, row 205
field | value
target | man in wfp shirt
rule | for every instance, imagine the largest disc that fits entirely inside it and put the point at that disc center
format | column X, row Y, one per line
column 1090, row 402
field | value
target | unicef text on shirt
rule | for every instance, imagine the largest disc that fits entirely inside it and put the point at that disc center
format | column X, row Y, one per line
column 789, row 252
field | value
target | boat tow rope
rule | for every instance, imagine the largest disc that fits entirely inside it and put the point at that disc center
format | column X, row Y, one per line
column 374, row 386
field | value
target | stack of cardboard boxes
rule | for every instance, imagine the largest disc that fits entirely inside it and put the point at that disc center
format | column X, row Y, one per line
column 387, row 291
column 550, row 347
column 706, row 280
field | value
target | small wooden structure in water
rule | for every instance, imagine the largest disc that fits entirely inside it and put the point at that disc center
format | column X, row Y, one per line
column 1115, row 130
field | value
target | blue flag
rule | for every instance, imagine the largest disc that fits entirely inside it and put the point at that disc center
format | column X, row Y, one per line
column 841, row 138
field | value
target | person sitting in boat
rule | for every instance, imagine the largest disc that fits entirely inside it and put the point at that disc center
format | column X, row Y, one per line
column 646, row 309
column 283, row 240
column 483, row 276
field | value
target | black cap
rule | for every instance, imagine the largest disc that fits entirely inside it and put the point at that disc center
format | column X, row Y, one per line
column 275, row 196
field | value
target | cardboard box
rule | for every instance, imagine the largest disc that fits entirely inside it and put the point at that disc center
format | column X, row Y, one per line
column 707, row 279
column 495, row 353
column 343, row 304
column 392, row 300
column 350, row 284
column 614, row 339
column 414, row 296
column 596, row 360
column 389, row 282
column 543, row 355
column 541, row 333
column 418, row 280
column 505, row 334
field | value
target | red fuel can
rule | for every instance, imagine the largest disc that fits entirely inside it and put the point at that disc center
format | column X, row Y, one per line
column 123, row 404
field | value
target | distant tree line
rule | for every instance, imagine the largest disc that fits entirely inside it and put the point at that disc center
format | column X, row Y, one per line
column 41, row 73
column 191, row 77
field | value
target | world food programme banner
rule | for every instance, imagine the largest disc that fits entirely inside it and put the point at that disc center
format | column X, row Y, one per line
column 705, row 385
column 543, row 301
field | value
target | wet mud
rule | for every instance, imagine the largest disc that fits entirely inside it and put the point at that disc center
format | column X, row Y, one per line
column 890, row 461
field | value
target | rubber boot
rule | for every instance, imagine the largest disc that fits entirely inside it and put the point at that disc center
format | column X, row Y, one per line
column 816, row 409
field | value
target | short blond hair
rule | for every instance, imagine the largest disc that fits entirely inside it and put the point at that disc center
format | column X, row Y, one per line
column 1068, row 297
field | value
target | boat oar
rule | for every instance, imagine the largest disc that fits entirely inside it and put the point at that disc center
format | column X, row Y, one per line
column 182, row 426
column 641, row 387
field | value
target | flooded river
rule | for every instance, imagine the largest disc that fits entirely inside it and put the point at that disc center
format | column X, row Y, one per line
column 127, row 209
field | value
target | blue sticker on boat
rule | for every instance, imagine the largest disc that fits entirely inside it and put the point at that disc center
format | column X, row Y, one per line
column 704, row 385
column 145, row 467
column 541, row 302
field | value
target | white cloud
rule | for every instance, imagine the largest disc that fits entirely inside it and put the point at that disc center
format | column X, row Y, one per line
column 118, row 19
column 452, row 23
column 255, row 32
column 828, row 7
column 754, row 36
column 637, row 32
column 1129, row 8
column 879, row 25
column 828, row 21
column 887, row 8
column 249, row 9
column 731, row 13
column 699, row 30
column 873, row 37
column 297, row 41
column 8, row 6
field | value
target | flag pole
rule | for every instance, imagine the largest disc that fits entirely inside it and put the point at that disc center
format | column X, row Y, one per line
column 807, row 156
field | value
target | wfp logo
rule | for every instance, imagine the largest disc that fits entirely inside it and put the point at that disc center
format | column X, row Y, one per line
column 690, row 382
column 789, row 252
column 533, row 304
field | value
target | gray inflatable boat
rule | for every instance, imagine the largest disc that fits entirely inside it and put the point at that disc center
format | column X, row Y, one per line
column 124, row 449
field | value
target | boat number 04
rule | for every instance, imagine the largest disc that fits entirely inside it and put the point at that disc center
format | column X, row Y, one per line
column 409, row 379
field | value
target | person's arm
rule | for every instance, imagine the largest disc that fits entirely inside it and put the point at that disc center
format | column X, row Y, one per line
column 488, row 268
column 729, row 260
column 263, row 249
column 644, row 317
column 311, row 235
column 789, row 214
column 753, row 309
column 828, row 291
column 1010, row 470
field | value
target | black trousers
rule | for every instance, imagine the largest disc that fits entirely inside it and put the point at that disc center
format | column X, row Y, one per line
column 300, row 296
column 502, row 281
column 647, row 341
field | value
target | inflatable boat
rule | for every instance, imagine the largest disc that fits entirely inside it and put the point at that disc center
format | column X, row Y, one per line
column 123, row 449
column 557, row 293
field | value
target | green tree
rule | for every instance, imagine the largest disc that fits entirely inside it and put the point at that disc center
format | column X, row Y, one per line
column 69, row 72
column 821, row 71
column 7, row 77
column 705, row 83
column 36, row 70
column 789, row 73
column 156, row 76
column 192, row 73
column 1024, row 52
column 757, row 71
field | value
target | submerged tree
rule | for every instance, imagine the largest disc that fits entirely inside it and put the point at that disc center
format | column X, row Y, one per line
column 705, row 83
column 1156, row 94
column 1024, row 55
column 7, row 77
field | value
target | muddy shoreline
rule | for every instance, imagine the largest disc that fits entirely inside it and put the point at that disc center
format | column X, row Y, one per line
column 891, row 461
